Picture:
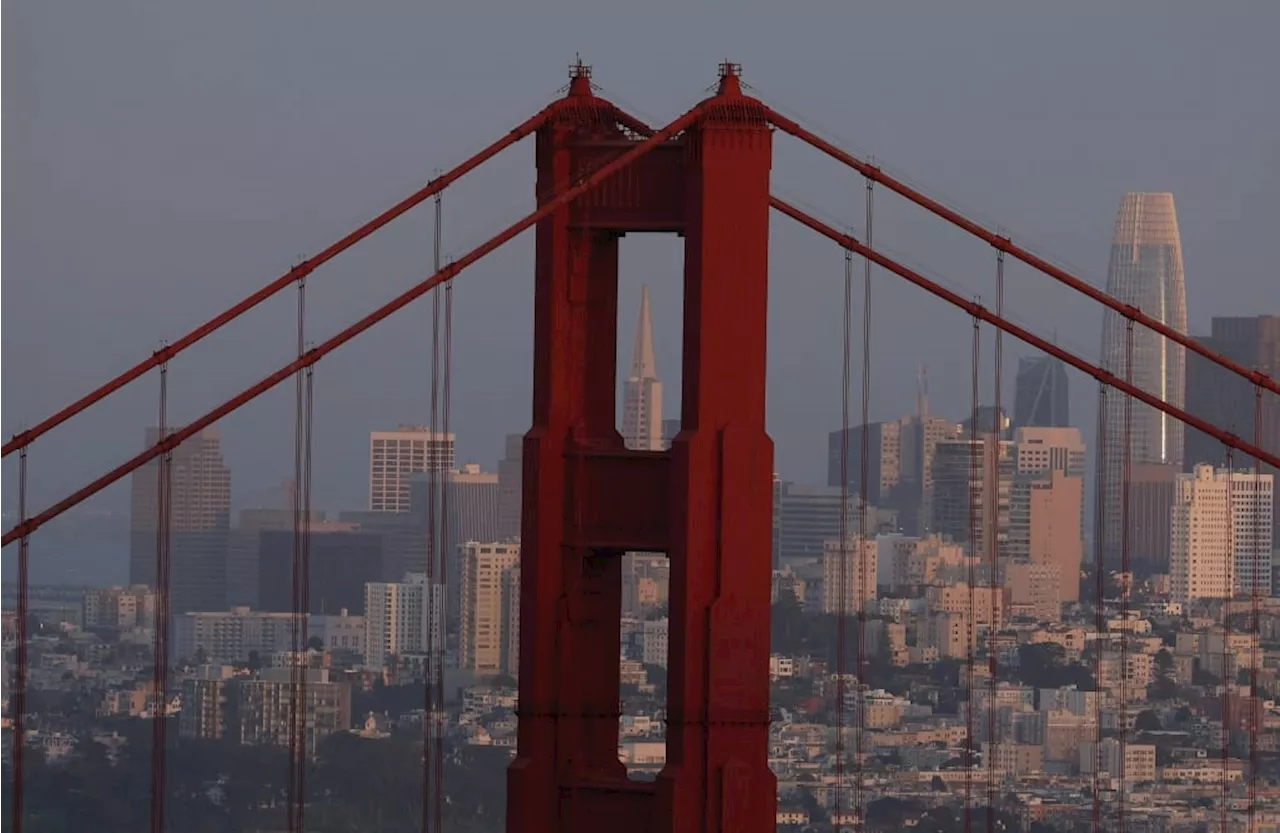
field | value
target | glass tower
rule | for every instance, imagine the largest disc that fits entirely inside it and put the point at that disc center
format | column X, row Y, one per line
column 1145, row 271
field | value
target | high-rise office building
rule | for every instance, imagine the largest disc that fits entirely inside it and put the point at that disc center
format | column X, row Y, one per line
column 1146, row 271
column 849, row 574
column 1042, row 450
column 472, row 506
column 510, row 488
column 1150, row 500
column 920, row 435
column 487, row 618
column 125, row 608
column 884, row 459
column 199, row 522
column 1040, row 393
column 1227, row 400
column 1220, row 534
column 1044, row 525
column 243, row 543
column 403, row 617
column 343, row 560
column 395, row 456
column 808, row 516
column 989, row 417
column 967, row 476
column 642, row 395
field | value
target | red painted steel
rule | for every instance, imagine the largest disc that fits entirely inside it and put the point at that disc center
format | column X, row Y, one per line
column 1003, row 244
column 295, row 274
column 320, row 351
column 1024, row 335
column 713, row 506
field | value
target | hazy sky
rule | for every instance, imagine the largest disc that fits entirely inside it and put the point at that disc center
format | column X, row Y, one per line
column 162, row 160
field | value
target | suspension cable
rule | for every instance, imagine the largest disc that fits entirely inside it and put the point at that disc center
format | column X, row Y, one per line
column 430, row 733
column 863, row 578
column 160, row 673
column 1255, row 706
column 1099, row 607
column 993, row 559
column 303, row 660
column 18, row 707
column 1126, row 578
column 841, row 623
column 298, row 639
column 1228, row 666
column 446, row 545
column 976, row 451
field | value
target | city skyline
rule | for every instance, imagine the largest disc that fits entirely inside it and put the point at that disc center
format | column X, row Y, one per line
column 542, row 602
column 1064, row 206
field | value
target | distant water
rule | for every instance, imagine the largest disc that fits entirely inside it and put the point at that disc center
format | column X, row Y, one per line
column 80, row 550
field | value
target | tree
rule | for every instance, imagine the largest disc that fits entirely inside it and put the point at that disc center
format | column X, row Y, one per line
column 315, row 643
column 1044, row 665
column 938, row 785
column 891, row 813
column 1163, row 687
column 1147, row 721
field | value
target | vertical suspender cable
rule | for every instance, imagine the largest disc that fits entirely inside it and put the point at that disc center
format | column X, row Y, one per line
column 1099, row 606
column 160, row 673
column 18, row 707
column 841, row 624
column 976, row 454
column 430, row 732
column 1228, row 666
column 304, row 659
column 864, row 580
column 1255, row 706
column 446, row 541
column 993, row 559
column 298, row 639
column 1126, row 581
column 304, row 595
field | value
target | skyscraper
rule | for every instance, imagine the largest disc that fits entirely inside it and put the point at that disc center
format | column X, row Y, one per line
column 1224, row 399
column 403, row 617
column 1040, row 393
column 510, row 488
column 642, row 396
column 1145, row 271
column 395, row 456
column 1220, row 536
column 199, row 522
column 884, row 459
column 489, row 615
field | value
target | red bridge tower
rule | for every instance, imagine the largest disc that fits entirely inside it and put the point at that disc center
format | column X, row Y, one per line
column 706, row 503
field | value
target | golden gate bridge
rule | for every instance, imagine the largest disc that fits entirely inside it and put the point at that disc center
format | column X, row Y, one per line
column 603, row 173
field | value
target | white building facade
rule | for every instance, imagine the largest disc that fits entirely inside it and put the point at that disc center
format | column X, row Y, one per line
column 1220, row 534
